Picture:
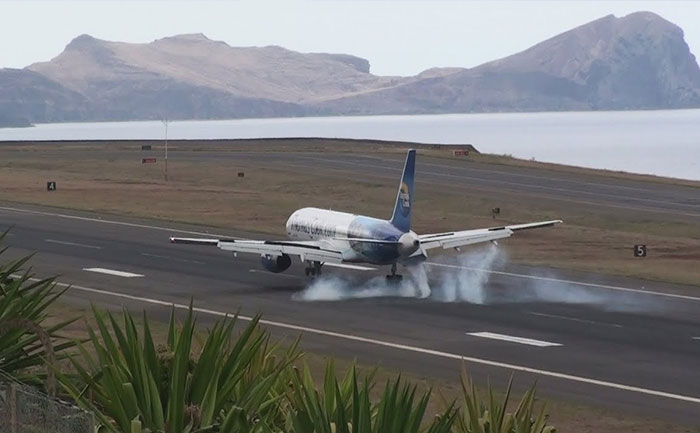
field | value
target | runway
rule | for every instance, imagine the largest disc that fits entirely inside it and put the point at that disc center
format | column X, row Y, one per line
column 586, row 338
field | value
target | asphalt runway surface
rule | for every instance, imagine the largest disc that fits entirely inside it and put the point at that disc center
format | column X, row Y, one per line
column 622, row 343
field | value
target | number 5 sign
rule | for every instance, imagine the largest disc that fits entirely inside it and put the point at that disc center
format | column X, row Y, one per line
column 640, row 250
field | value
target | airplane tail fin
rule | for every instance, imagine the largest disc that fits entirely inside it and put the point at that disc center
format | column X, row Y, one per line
column 401, row 219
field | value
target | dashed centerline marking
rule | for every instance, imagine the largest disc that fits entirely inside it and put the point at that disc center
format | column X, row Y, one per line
column 174, row 259
column 512, row 339
column 113, row 272
column 414, row 349
column 574, row 319
column 73, row 244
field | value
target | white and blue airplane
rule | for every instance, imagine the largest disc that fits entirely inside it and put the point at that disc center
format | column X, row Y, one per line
column 320, row 236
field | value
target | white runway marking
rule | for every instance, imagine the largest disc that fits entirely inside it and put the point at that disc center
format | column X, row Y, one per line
column 511, row 339
column 54, row 241
column 174, row 259
column 574, row 319
column 414, row 349
column 578, row 283
column 113, row 272
column 695, row 338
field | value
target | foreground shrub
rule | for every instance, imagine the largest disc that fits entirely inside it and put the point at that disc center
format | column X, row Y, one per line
column 26, row 343
column 346, row 406
column 491, row 416
column 231, row 385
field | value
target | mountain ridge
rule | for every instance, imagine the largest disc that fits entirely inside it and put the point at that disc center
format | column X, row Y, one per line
column 638, row 61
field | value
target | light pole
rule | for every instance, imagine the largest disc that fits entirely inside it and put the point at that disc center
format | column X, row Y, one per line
column 166, row 148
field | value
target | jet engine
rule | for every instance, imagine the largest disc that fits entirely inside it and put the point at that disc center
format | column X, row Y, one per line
column 276, row 264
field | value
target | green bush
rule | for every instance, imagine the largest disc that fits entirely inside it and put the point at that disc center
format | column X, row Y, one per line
column 26, row 344
column 346, row 406
column 491, row 416
column 225, row 385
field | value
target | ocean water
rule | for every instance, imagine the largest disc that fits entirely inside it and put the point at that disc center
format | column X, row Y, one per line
column 665, row 143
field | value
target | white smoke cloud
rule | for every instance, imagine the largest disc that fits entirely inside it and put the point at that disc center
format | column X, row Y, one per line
column 334, row 288
column 465, row 278
column 451, row 283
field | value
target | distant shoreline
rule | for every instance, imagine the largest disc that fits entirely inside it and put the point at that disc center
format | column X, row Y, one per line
column 17, row 125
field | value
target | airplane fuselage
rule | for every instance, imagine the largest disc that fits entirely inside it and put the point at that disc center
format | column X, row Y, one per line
column 341, row 231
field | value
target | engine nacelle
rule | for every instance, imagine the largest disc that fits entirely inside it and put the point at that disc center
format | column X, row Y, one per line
column 276, row 264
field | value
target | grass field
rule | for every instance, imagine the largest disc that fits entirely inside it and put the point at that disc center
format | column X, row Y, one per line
column 109, row 178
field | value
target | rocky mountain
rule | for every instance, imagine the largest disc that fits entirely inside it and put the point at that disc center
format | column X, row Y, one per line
column 26, row 96
column 635, row 62
column 639, row 61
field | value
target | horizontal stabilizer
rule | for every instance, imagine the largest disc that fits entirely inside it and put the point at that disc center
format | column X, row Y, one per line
column 194, row 241
column 470, row 237
column 538, row 225
column 353, row 267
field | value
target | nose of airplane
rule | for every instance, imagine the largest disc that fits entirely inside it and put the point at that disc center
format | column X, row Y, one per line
column 408, row 244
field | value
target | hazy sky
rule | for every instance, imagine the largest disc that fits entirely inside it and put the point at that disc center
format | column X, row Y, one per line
column 397, row 37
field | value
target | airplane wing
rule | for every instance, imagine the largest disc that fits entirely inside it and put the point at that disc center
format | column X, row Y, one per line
column 306, row 250
column 470, row 237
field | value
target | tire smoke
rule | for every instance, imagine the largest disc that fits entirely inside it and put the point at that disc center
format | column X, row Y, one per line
column 465, row 278
column 452, row 283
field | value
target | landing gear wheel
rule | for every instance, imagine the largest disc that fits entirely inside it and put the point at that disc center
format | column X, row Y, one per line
column 313, row 269
column 394, row 277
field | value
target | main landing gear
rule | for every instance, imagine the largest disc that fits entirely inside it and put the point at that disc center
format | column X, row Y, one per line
column 394, row 277
column 313, row 269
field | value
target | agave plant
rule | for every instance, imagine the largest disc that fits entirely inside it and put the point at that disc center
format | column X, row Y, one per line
column 491, row 416
column 346, row 406
column 227, row 384
column 25, row 343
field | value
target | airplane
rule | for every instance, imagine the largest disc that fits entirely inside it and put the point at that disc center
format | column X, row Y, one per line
column 320, row 236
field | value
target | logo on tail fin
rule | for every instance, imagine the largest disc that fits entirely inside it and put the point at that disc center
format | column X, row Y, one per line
column 404, row 199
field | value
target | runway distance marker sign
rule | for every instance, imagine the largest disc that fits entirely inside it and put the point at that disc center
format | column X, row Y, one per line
column 640, row 250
